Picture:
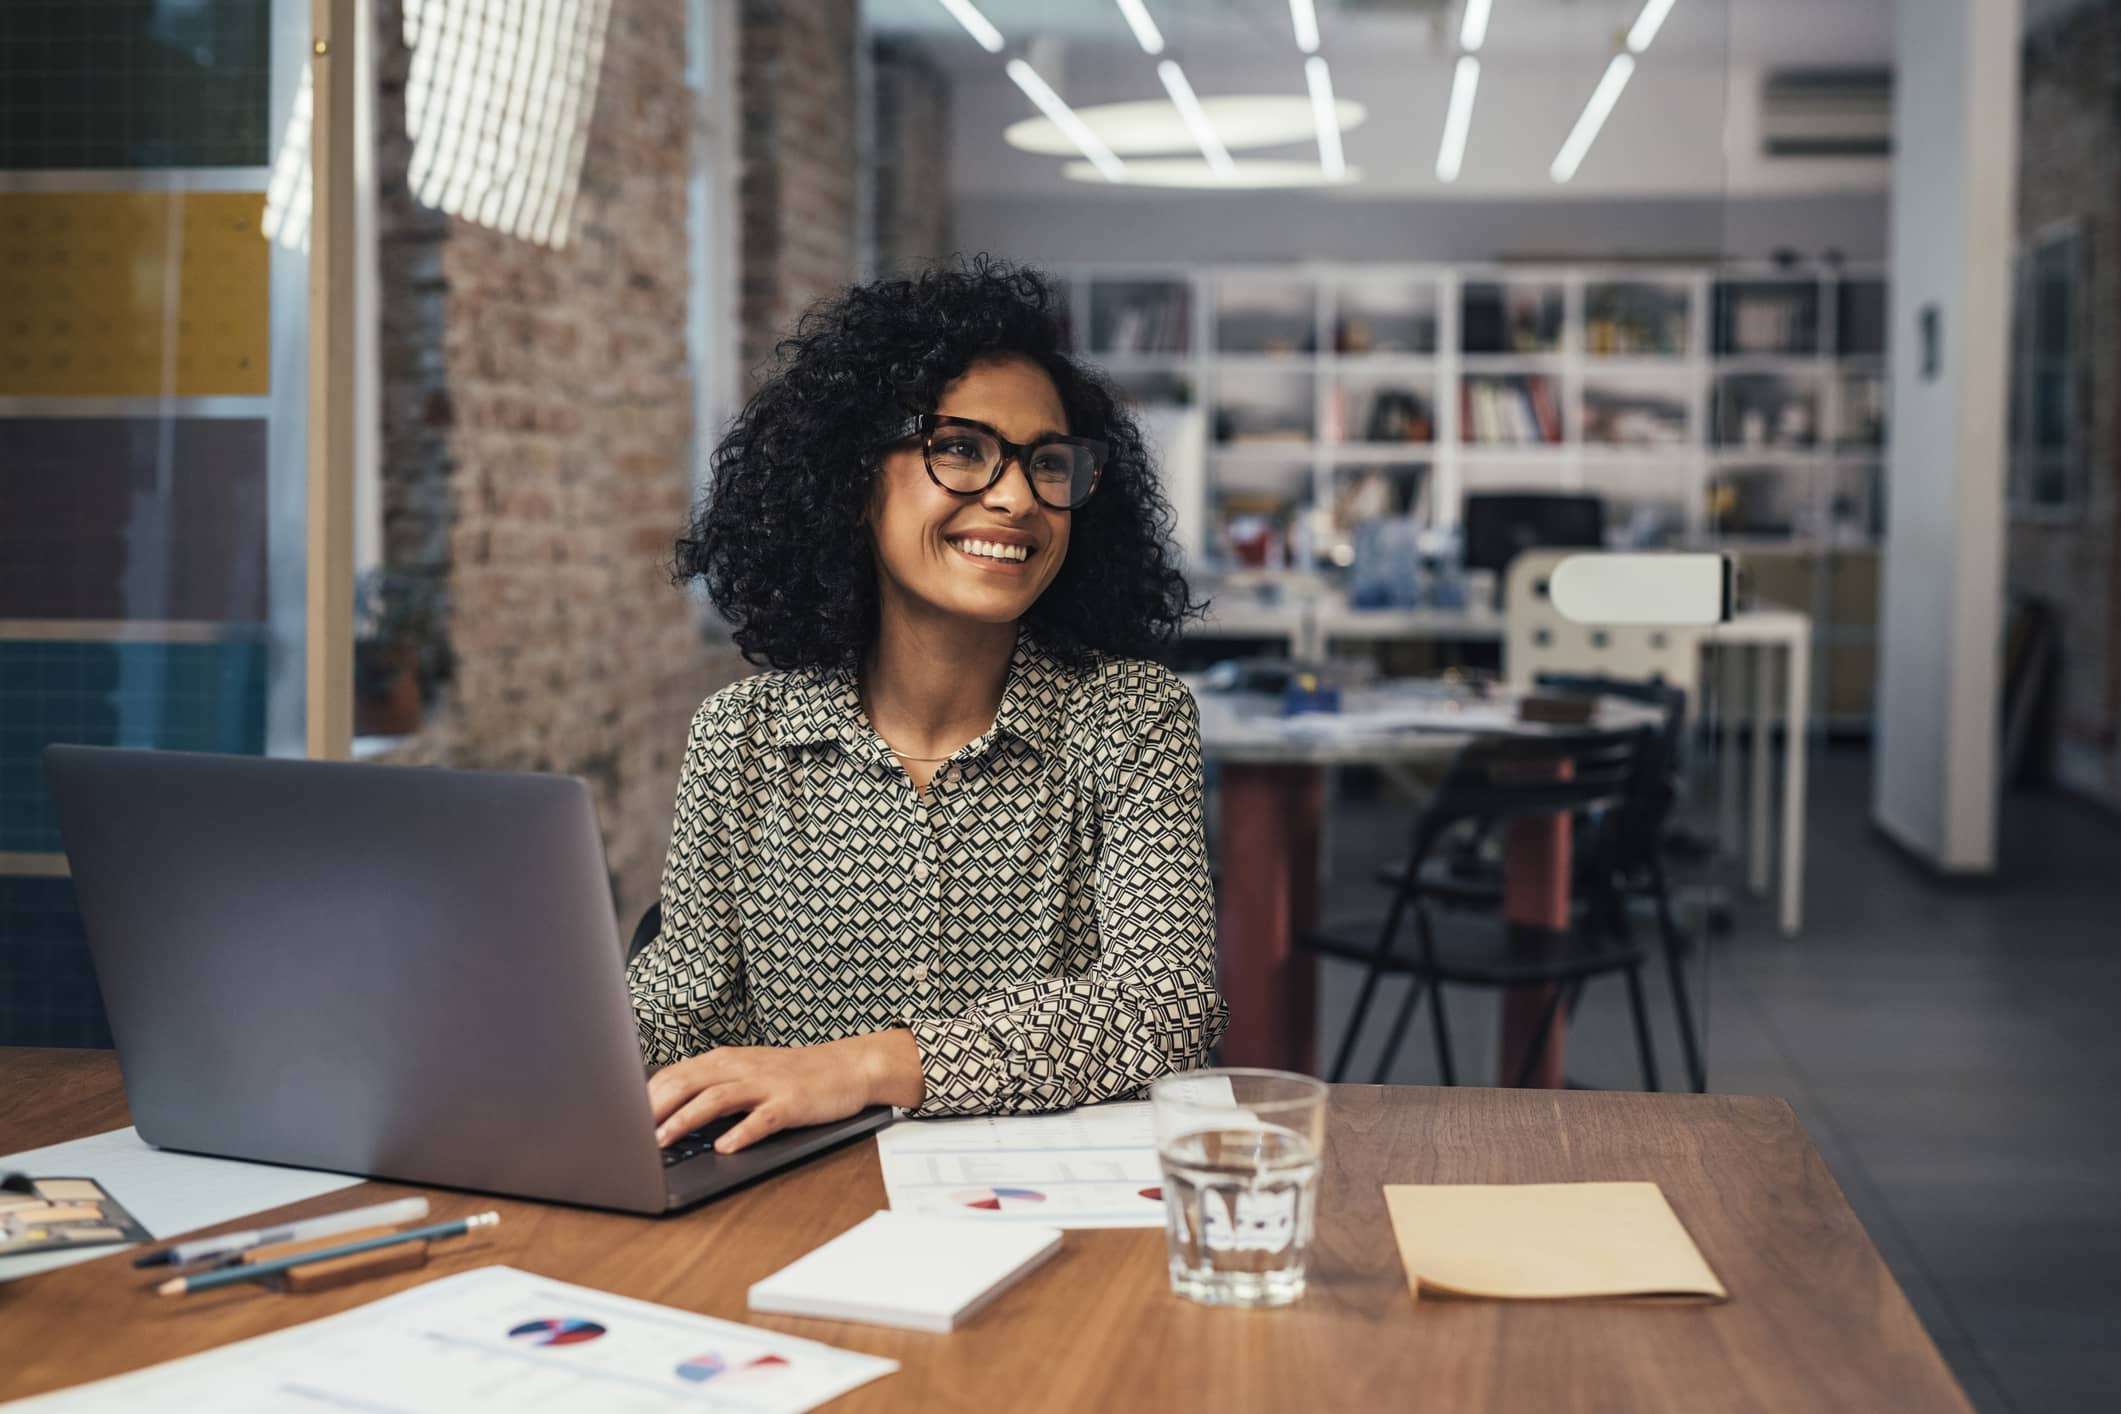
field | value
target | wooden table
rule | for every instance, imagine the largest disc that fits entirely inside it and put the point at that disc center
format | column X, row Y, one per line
column 1311, row 625
column 1815, row 1322
column 1273, row 806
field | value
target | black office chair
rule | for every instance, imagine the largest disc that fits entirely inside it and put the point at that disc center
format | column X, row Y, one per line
column 1638, row 845
column 644, row 931
column 1493, row 781
column 1465, row 874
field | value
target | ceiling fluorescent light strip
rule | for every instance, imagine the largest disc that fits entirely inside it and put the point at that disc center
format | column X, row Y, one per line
column 1211, row 146
column 1146, row 33
column 1647, row 23
column 1473, row 31
column 1327, row 119
column 1304, row 15
column 1063, row 117
column 1459, row 120
column 1585, row 132
column 976, row 24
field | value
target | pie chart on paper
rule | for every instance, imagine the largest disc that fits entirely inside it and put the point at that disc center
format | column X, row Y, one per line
column 562, row 1330
column 702, row 1368
column 999, row 1200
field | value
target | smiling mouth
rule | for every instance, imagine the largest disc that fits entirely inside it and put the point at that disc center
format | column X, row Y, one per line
column 991, row 552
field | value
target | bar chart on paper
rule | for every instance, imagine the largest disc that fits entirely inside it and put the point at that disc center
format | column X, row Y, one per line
column 500, row 1339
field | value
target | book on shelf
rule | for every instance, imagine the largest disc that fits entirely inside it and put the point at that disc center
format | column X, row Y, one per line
column 1149, row 326
column 1510, row 410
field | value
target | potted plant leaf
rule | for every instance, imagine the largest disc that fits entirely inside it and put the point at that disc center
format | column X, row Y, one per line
column 400, row 653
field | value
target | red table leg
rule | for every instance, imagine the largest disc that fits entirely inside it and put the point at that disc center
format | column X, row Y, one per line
column 1269, row 894
column 1535, row 890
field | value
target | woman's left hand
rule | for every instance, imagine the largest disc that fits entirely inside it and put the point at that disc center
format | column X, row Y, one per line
column 781, row 1086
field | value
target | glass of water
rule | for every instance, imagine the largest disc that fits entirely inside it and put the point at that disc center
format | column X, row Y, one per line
column 1240, row 1153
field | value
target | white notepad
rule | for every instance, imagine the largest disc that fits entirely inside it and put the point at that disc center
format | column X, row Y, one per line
column 901, row 1269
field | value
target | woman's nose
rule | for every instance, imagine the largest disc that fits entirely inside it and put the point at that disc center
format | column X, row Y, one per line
column 1012, row 489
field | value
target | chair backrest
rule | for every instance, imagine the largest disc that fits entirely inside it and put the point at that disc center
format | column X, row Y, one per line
column 644, row 931
column 1537, row 639
column 1500, row 777
column 1638, row 826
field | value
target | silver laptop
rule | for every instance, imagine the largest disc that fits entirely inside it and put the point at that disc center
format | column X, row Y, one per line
column 402, row 972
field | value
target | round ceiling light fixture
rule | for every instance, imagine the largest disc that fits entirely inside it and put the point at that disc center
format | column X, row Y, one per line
column 1155, row 125
column 1195, row 172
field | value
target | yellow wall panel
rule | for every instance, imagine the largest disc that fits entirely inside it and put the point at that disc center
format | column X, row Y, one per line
column 134, row 294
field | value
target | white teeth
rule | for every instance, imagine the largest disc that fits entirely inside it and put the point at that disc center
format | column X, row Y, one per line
column 992, row 551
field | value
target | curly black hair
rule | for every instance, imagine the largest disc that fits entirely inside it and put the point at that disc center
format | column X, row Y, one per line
column 780, row 540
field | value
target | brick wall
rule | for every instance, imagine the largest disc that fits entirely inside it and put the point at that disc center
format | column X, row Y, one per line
column 796, row 192
column 2070, row 170
column 537, row 403
column 912, row 145
column 537, row 426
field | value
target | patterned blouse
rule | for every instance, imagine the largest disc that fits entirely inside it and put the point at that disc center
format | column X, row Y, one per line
column 1042, row 922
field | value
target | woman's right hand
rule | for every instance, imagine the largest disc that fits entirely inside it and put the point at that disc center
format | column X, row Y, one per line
column 779, row 1087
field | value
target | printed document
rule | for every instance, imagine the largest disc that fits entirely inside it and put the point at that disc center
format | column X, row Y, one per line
column 493, row 1339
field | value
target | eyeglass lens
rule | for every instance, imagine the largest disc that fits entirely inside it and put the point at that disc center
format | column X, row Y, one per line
column 964, row 459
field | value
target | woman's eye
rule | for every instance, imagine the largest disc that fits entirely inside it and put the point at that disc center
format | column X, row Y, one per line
column 957, row 447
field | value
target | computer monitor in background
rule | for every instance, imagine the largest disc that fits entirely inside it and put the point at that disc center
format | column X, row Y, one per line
column 1500, row 526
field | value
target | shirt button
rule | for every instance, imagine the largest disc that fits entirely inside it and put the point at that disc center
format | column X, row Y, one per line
column 920, row 973
column 920, row 871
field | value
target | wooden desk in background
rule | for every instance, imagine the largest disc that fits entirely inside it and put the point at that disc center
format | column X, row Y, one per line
column 1273, row 792
column 1815, row 1321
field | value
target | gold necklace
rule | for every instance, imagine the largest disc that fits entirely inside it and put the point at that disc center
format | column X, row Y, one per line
column 863, row 699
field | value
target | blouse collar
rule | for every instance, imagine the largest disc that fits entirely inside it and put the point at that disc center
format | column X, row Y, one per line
column 819, row 705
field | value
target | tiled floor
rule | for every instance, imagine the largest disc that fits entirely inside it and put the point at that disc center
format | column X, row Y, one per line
column 1954, row 1052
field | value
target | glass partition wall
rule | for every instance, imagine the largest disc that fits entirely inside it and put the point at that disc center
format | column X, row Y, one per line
column 153, row 421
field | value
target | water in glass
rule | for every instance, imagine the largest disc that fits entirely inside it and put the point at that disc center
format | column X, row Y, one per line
column 1240, row 1157
column 1240, row 1204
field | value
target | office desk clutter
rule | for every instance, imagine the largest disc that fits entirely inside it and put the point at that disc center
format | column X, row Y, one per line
column 574, row 1308
column 230, row 1246
column 1259, row 703
column 319, row 1264
column 168, row 1193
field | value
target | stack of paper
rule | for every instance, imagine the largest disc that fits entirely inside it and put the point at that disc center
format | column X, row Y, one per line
column 894, row 1269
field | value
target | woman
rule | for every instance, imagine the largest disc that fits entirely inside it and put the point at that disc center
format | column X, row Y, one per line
column 949, row 857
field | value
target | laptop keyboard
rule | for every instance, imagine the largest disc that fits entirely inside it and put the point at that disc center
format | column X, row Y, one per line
column 700, row 1141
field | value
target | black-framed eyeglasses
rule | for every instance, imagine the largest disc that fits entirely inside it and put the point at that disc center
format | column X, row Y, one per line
column 966, row 457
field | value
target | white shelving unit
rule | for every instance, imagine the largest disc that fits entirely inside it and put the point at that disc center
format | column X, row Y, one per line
column 1288, row 360
column 1268, row 342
